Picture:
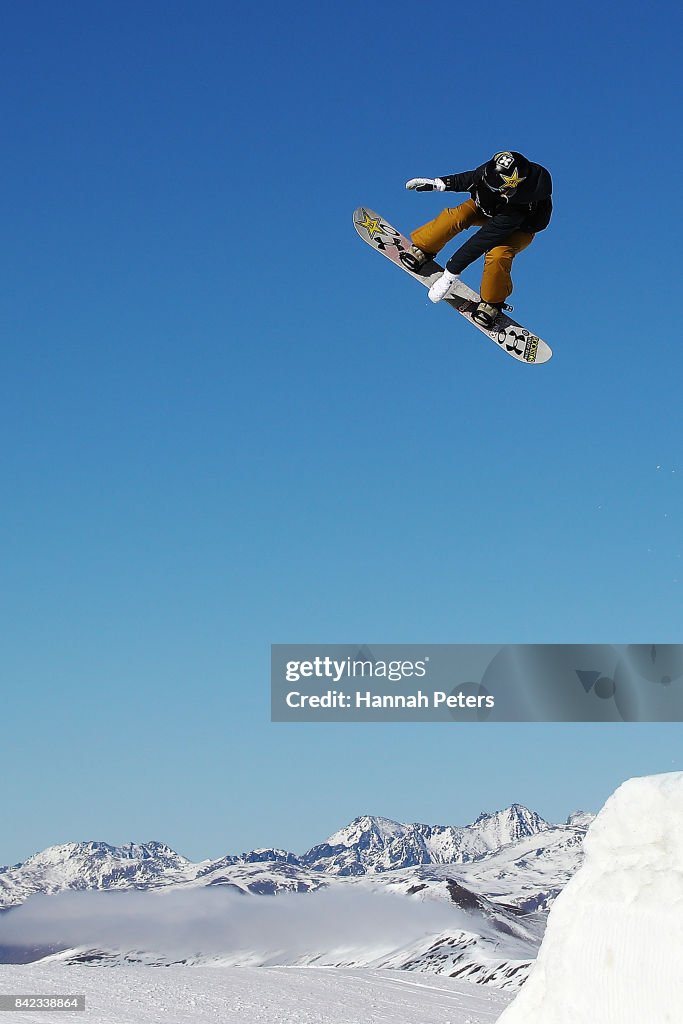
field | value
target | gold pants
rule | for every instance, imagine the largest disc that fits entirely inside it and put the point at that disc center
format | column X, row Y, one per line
column 496, row 283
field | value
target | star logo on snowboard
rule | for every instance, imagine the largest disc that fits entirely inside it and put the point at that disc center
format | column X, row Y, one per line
column 372, row 225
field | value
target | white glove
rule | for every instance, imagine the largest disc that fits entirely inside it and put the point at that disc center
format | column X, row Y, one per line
column 427, row 184
column 443, row 285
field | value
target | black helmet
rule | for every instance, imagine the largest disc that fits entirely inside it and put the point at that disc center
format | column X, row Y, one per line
column 505, row 172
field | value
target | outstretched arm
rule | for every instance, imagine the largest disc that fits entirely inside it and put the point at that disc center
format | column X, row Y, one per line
column 449, row 183
column 459, row 182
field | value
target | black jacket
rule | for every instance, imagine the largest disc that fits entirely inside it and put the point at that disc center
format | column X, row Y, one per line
column 528, row 209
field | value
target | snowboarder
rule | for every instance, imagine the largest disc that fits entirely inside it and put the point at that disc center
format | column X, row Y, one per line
column 510, row 201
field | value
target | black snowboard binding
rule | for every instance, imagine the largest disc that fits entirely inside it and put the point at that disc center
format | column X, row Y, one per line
column 487, row 313
column 414, row 258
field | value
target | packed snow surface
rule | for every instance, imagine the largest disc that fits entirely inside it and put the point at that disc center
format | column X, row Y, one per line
column 613, row 949
column 243, row 995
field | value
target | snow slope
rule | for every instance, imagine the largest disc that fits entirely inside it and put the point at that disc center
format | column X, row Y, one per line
column 613, row 950
column 208, row 995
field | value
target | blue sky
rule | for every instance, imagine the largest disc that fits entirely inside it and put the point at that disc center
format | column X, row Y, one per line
column 225, row 422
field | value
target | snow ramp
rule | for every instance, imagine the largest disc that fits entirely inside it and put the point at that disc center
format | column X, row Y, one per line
column 613, row 948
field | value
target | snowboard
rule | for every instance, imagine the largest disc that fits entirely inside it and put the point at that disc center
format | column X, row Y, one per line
column 511, row 337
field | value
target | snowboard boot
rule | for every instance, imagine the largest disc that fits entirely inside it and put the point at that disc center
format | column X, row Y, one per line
column 486, row 313
column 415, row 258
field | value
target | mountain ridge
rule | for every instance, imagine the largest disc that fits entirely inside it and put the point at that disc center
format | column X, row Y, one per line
column 368, row 845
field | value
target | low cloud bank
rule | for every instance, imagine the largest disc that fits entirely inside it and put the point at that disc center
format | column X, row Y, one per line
column 217, row 922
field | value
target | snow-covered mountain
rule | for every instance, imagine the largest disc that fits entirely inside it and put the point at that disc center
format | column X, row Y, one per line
column 493, row 879
column 93, row 865
column 368, row 845
column 377, row 844
column 529, row 874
